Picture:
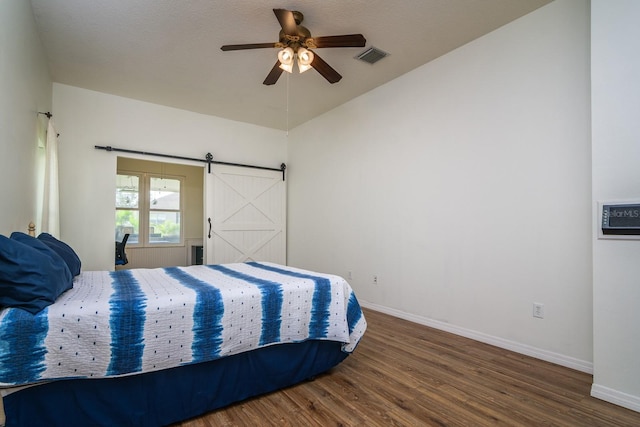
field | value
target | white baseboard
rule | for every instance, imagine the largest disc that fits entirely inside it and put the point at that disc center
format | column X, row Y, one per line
column 616, row 397
column 558, row 359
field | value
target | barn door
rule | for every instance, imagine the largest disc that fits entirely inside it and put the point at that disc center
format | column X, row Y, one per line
column 245, row 215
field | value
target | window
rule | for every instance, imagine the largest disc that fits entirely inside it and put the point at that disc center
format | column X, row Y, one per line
column 128, row 207
column 164, row 210
column 149, row 208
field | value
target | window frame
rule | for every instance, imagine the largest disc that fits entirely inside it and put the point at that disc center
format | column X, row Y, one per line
column 144, row 208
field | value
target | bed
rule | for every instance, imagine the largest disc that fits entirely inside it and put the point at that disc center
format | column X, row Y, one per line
column 151, row 347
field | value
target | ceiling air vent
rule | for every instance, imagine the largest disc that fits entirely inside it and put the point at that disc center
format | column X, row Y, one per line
column 371, row 55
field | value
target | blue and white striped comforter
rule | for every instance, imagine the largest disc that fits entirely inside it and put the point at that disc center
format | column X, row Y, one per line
column 134, row 321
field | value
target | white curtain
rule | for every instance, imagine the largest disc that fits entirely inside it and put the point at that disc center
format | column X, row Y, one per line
column 51, row 202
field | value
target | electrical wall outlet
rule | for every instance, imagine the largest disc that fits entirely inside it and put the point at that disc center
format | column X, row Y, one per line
column 538, row 310
column 349, row 275
column 374, row 279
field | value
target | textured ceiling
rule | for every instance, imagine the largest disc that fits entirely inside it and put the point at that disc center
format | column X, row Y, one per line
column 168, row 52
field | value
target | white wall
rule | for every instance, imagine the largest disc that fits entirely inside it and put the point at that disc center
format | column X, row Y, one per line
column 465, row 186
column 87, row 176
column 25, row 88
column 615, row 60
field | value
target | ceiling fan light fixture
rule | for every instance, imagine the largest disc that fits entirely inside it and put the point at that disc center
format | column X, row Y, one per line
column 286, row 56
column 305, row 58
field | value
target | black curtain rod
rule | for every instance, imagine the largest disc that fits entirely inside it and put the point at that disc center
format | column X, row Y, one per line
column 208, row 159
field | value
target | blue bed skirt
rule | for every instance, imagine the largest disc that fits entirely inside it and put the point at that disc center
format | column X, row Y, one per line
column 164, row 397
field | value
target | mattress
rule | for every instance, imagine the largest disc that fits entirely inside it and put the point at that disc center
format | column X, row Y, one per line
column 113, row 324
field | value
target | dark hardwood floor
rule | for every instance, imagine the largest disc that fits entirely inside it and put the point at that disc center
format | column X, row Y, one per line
column 404, row 374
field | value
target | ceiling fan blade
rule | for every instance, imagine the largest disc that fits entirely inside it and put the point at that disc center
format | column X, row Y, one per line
column 227, row 47
column 273, row 75
column 287, row 22
column 325, row 69
column 347, row 40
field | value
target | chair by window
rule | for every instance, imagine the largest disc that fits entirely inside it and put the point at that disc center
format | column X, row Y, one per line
column 121, row 256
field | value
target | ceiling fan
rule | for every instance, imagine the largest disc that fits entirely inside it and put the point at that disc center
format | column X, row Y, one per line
column 296, row 43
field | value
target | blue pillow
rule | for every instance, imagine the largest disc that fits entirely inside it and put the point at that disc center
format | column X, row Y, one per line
column 66, row 253
column 32, row 276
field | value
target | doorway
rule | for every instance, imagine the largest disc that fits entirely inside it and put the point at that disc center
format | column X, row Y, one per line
column 164, row 203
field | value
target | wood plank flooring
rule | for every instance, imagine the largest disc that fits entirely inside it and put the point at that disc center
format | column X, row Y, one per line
column 404, row 374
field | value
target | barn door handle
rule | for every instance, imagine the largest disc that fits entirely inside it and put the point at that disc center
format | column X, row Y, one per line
column 209, row 219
